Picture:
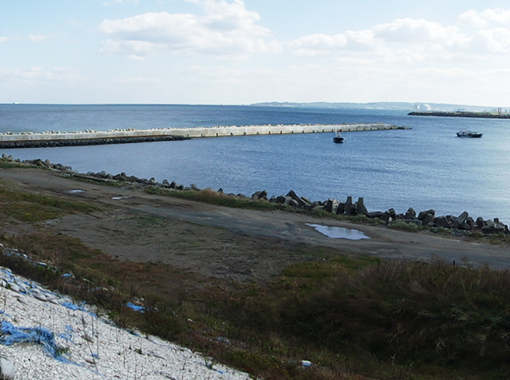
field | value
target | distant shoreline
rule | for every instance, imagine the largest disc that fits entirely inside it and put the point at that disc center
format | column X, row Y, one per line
column 481, row 115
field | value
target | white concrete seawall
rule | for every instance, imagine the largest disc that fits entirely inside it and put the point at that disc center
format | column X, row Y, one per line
column 136, row 135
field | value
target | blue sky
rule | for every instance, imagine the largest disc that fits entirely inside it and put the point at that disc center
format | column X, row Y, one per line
column 243, row 52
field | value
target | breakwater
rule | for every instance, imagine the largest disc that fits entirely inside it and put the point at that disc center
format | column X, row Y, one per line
column 480, row 115
column 122, row 136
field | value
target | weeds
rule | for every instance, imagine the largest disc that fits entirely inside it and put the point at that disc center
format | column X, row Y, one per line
column 348, row 316
column 217, row 198
column 30, row 207
column 405, row 226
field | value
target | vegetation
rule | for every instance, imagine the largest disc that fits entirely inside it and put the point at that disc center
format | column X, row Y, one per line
column 351, row 317
column 217, row 198
column 30, row 207
column 348, row 316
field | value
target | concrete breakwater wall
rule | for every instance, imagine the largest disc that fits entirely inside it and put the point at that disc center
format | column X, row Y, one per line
column 89, row 137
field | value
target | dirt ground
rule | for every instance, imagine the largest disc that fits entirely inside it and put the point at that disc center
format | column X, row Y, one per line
column 234, row 244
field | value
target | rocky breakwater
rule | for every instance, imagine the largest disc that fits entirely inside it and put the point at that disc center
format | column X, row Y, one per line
column 460, row 224
column 428, row 218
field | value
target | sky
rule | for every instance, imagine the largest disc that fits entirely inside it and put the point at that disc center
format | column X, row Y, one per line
column 244, row 52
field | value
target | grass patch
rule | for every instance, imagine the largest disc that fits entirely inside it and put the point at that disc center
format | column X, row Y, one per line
column 404, row 226
column 31, row 207
column 9, row 164
column 217, row 198
column 348, row 316
column 351, row 317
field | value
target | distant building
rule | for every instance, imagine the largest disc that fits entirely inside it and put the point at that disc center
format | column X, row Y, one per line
column 422, row 107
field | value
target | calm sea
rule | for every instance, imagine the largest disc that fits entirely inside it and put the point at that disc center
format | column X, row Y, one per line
column 425, row 167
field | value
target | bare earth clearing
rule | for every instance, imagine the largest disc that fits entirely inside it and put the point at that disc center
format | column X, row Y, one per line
column 236, row 244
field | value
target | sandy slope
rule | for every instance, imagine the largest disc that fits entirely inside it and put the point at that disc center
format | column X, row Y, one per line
column 86, row 346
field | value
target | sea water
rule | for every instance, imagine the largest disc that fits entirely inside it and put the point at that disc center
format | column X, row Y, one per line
column 426, row 167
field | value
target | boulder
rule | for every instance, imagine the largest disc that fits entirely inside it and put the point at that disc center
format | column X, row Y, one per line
column 491, row 227
column 280, row 199
column 348, row 206
column 442, row 222
column 317, row 206
column 301, row 202
column 259, row 195
column 293, row 203
column 375, row 214
column 341, row 208
column 306, row 200
column 410, row 214
column 428, row 220
column 331, row 205
column 386, row 217
column 460, row 221
column 360, row 206
column 424, row 214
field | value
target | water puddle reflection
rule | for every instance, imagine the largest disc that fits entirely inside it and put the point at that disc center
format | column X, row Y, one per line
column 339, row 232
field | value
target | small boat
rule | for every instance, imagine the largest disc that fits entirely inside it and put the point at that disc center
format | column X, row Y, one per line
column 338, row 137
column 469, row 134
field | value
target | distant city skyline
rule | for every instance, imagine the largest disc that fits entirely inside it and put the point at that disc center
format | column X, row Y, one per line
column 244, row 52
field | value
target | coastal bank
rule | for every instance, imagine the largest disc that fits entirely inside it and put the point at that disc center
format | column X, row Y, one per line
column 458, row 225
column 479, row 115
column 122, row 136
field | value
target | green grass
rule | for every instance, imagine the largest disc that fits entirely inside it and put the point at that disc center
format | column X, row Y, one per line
column 404, row 226
column 31, row 207
column 214, row 197
column 348, row 315
column 8, row 164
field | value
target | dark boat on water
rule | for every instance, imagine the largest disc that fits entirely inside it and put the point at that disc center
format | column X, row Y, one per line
column 338, row 137
column 472, row 134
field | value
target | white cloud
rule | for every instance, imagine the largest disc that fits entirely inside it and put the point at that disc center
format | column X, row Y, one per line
column 36, row 75
column 121, row 2
column 4, row 39
column 482, row 19
column 224, row 29
column 37, row 38
column 413, row 41
column 412, row 31
column 492, row 41
column 318, row 44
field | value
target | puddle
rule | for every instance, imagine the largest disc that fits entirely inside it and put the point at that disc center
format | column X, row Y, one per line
column 76, row 191
column 339, row 232
column 119, row 198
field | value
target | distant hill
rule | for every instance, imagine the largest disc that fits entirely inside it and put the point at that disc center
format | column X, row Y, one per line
column 396, row 106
